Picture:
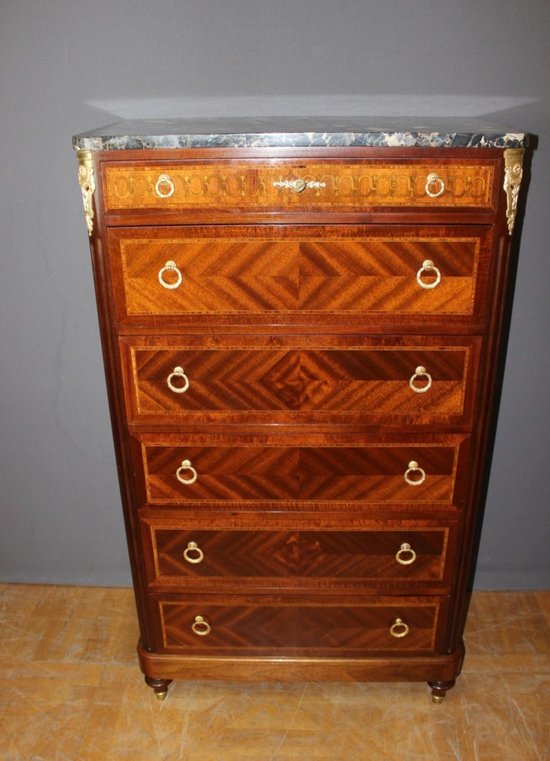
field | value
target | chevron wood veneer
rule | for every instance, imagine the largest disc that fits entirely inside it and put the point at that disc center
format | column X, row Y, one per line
column 304, row 554
column 301, row 626
column 302, row 347
column 369, row 473
column 301, row 270
column 353, row 379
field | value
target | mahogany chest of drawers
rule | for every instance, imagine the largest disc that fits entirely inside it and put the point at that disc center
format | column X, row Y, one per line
column 301, row 335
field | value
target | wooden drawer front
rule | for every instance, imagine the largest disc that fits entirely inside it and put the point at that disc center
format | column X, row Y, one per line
column 278, row 185
column 287, row 556
column 399, row 270
column 301, row 626
column 380, row 473
column 365, row 377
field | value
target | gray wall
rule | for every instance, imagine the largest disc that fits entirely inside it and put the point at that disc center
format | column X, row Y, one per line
column 68, row 65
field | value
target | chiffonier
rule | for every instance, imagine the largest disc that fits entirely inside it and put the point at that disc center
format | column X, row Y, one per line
column 302, row 327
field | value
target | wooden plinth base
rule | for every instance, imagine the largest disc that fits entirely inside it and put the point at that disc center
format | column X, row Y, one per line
column 439, row 671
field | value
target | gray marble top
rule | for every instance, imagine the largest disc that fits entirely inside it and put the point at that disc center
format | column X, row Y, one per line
column 263, row 132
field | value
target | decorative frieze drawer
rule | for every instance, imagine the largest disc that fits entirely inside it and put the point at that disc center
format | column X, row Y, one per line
column 305, row 184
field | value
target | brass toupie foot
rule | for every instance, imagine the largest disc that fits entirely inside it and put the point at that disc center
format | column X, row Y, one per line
column 159, row 686
column 439, row 690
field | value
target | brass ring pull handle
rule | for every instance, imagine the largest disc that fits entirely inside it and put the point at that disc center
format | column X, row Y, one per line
column 428, row 267
column 200, row 626
column 193, row 553
column 170, row 267
column 164, row 181
column 399, row 629
column 186, row 466
column 435, row 186
column 420, row 373
column 177, row 372
column 415, row 480
column 405, row 555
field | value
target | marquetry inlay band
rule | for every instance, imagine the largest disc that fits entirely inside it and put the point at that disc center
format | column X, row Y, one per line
column 347, row 185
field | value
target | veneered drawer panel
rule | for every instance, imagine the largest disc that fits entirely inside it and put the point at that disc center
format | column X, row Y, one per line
column 301, row 626
column 417, row 380
column 265, row 270
column 400, row 552
column 324, row 185
column 180, row 472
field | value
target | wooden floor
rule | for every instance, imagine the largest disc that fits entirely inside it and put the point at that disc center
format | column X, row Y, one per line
column 72, row 691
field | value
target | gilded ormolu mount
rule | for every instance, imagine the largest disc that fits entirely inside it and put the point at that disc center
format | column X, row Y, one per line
column 87, row 185
column 513, row 173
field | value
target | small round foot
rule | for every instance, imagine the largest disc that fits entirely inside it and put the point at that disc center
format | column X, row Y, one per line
column 439, row 690
column 160, row 687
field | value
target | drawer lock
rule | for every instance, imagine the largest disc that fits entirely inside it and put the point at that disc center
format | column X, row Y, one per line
column 299, row 185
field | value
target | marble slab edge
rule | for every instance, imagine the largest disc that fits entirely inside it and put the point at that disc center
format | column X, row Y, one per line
column 374, row 139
